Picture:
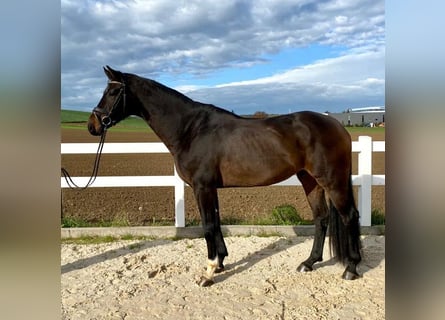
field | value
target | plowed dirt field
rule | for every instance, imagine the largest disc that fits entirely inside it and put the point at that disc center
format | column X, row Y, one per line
column 155, row 205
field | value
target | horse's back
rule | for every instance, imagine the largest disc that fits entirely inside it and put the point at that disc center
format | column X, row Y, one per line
column 327, row 130
column 253, row 152
column 317, row 142
column 320, row 125
column 319, row 122
column 308, row 129
column 266, row 151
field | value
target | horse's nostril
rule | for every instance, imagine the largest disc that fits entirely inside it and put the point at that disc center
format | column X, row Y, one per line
column 92, row 129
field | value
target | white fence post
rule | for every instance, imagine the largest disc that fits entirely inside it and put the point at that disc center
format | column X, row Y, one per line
column 365, row 172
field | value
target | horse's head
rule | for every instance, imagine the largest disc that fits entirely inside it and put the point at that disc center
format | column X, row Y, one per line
column 112, row 106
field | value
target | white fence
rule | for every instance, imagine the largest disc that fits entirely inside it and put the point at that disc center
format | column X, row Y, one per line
column 364, row 179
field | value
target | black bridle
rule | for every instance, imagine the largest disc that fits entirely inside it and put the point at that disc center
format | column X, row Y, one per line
column 104, row 116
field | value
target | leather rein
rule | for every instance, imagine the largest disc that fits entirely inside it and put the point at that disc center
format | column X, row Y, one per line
column 106, row 120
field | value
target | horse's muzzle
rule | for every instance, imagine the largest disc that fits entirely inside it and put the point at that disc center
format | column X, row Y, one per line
column 94, row 125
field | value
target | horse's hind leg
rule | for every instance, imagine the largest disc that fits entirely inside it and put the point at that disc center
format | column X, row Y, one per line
column 316, row 198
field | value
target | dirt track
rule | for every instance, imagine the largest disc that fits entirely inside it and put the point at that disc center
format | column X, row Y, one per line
column 156, row 280
column 143, row 206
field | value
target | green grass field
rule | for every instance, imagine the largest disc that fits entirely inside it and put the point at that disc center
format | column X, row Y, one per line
column 70, row 116
column 365, row 130
column 76, row 119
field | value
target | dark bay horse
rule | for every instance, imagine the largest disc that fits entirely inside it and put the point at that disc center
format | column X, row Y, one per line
column 213, row 148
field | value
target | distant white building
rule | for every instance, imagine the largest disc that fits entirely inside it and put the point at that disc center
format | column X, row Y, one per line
column 366, row 116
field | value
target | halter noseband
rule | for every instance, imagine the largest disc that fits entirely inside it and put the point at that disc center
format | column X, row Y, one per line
column 105, row 116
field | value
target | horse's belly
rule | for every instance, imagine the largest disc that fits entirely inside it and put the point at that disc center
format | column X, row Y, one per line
column 255, row 173
column 257, row 158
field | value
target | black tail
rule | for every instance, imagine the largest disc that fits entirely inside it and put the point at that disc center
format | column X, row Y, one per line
column 338, row 239
column 340, row 245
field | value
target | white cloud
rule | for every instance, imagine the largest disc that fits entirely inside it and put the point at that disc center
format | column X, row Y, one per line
column 189, row 88
column 196, row 37
column 355, row 79
column 209, row 34
column 345, row 69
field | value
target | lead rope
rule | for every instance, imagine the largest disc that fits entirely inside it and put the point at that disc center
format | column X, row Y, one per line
column 69, row 180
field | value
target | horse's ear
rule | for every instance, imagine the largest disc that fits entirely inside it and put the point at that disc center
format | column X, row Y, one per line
column 113, row 75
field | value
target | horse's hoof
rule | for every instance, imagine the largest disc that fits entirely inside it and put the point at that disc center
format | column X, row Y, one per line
column 348, row 275
column 217, row 270
column 220, row 269
column 204, row 282
column 304, row 268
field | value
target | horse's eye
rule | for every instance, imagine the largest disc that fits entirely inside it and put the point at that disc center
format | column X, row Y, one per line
column 114, row 92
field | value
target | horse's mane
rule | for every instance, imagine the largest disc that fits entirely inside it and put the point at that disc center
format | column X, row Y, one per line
column 154, row 84
column 157, row 85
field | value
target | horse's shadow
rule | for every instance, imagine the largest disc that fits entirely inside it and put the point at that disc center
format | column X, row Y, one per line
column 239, row 266
column 110, row 254
column 372, row 255
column 283, row 244
column 253, row 258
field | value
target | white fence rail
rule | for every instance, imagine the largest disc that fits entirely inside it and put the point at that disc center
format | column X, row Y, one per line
column 364, row 179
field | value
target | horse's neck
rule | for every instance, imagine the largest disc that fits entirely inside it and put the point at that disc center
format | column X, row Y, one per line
column 165, row 114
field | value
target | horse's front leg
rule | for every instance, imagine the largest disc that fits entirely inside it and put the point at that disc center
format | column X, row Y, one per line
column 207, row 199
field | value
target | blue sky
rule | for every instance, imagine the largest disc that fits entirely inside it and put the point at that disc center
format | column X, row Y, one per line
column 245, row 56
